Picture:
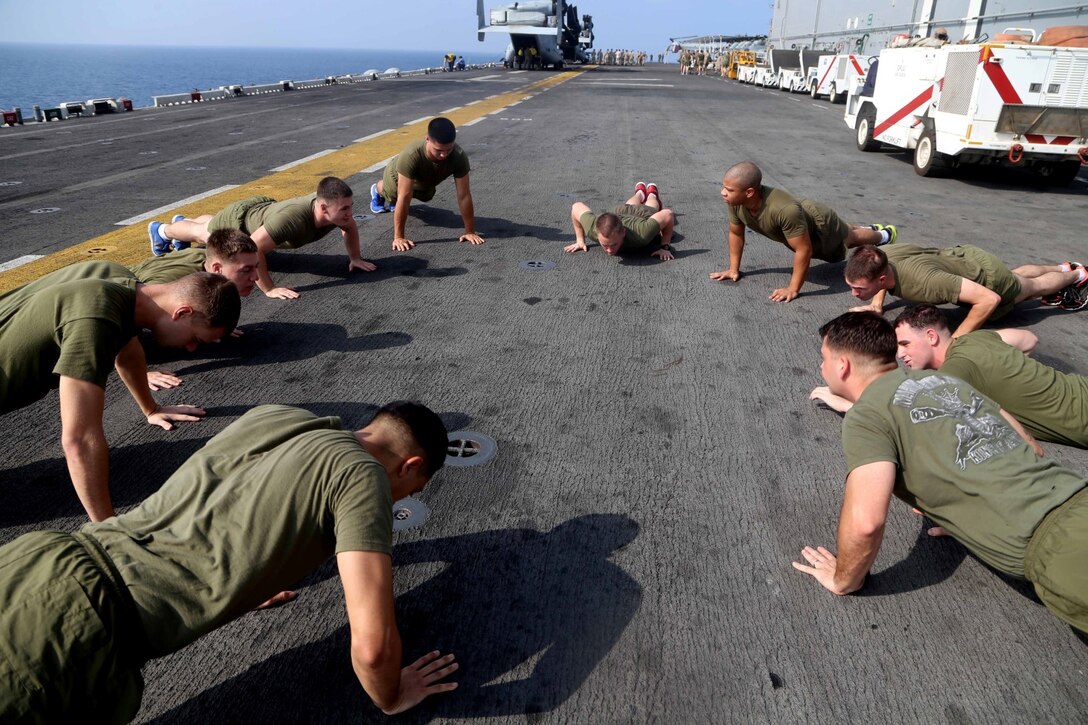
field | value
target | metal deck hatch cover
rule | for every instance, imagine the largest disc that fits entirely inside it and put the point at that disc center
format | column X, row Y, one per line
column 45, row 210
column 537, row 264
column 362, row 217
column 468, row 448
column 408, row 513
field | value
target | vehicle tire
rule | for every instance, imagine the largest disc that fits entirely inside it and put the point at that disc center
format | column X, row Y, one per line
column 927, row 160
column 833, row 94
column 782, row 85
column 1062, row 173
column 813, row 87
column 863, row 130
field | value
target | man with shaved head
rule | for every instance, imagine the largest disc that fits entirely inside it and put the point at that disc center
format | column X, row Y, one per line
column 638, row 223
column 810, row 229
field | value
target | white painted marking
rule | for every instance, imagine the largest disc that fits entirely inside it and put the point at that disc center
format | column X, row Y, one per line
column 484, row 78
column 471, row 103
column 515, row 72
column 373, row 135
column 612, row 83
column 513, row 104
column 168, row 207
column 423, row 118
column 301, row 161
column 451, row 110
column 500, row 110
column 492, row 96
column 376, row 167
column 820, row 106
column 473, row 122
column 796, row 100
column 19, row 261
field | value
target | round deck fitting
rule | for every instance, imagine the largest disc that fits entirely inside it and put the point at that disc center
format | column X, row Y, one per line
column 468, row 448
column 408, row 513
column 537, row 265
column 362, row 217
column 45, row 210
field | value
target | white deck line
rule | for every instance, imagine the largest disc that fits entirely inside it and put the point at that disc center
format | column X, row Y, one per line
column 451, row 110
column 299, row 162
column 375, row 167
column 499, row 110
column 423, row 118
column 19, row 261
column 373, row 135
column 611, row 83
column 473, row 122
column 482, row 78
column 187, row 200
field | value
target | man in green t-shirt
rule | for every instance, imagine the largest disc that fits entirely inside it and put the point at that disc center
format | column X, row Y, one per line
column 415, row 173
column 945, row 449
column 68, row 329
column 964, row 275
column 274, row 225
column 810, row 229
column 230, row 252
column 262, row 505
column 638, row 223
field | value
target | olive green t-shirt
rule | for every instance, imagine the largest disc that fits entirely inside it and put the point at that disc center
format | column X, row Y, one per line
column 783, row 216
column 958, row 461
column 935, row 276
column 171, row 267
column 289, row 223
column 1052, row 406
column 71, row 322
column 424, row 173
column 259, row 507
column 639, row 229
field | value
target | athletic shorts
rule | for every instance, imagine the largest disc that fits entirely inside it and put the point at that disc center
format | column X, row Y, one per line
column 996, row 276
column 69, row 633
column 641, row 229
column 830, row 232
column 1055, row 561
column 233, row 216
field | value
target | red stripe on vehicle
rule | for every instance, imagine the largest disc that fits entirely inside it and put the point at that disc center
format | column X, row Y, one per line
column 1058, row 140
column 830, row 67
column 857, row 66
column 1001, row 82
column 903, row 112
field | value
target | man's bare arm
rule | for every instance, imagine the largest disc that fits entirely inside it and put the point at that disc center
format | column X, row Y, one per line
column 265, row 246
column 802, row 257
column 983, row 302
column 577, row 209
column 1023, row 433
column 131, row 364
column 861, row 530
column 468, row 213
column 350, row 233
column 736, row 251
column 84, row 442
column 405, row 190
column 367, row 578
column 1023, row 340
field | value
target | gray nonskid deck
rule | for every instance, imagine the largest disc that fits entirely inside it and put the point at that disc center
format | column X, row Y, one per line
column 626, row 554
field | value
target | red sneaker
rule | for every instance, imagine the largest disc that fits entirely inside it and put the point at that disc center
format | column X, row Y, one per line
column 651, row 190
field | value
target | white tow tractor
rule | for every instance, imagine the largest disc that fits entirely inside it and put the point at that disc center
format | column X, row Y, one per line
column 834, row 73
column 1019, row 105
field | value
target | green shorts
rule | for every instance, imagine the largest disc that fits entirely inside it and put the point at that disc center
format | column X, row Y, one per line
column 70, row 637
column 1055, row 561
column 995, row 276
column 829, row 232
column 233, row 216
column 641, row 229
column 389, row 186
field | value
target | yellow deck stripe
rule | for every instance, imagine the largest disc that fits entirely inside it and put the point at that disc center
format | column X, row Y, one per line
column 129, row 245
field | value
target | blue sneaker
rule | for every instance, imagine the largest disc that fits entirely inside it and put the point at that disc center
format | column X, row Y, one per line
column 160, row 245
column 178, row 246
column 377, row 201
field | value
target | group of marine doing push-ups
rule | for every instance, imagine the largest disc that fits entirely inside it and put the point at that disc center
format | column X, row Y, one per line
column 954, row 442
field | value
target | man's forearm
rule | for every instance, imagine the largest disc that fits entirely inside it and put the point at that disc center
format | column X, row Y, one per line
column 264, row 279
column 88, row 458
column 736, row 251
column 856, row 555
column 131, row 364
column 468, row 214
column 801, row 260
column 976, row 316
column 380, row 675
column 351, row 244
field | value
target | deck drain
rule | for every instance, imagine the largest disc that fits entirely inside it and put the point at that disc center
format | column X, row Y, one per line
column 363, row 217
column 468, row 448
column 537, row 264
column 45, row 210
column 408, row 513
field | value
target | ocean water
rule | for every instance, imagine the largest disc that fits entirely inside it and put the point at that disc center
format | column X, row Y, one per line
column 49, row 74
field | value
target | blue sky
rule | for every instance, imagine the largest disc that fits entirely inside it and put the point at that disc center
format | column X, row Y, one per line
column 405, row 24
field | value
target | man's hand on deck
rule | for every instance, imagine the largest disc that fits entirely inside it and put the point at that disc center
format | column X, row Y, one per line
column 362, row 265
column 663, row 254
column 576, row 247
column 784, row 294
column 166, row 415
column 418, row 680
column 282, row 293
column 472, row 238
column 162, row 380
column 400, row 244
column 731, row 274
column 821, row 566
